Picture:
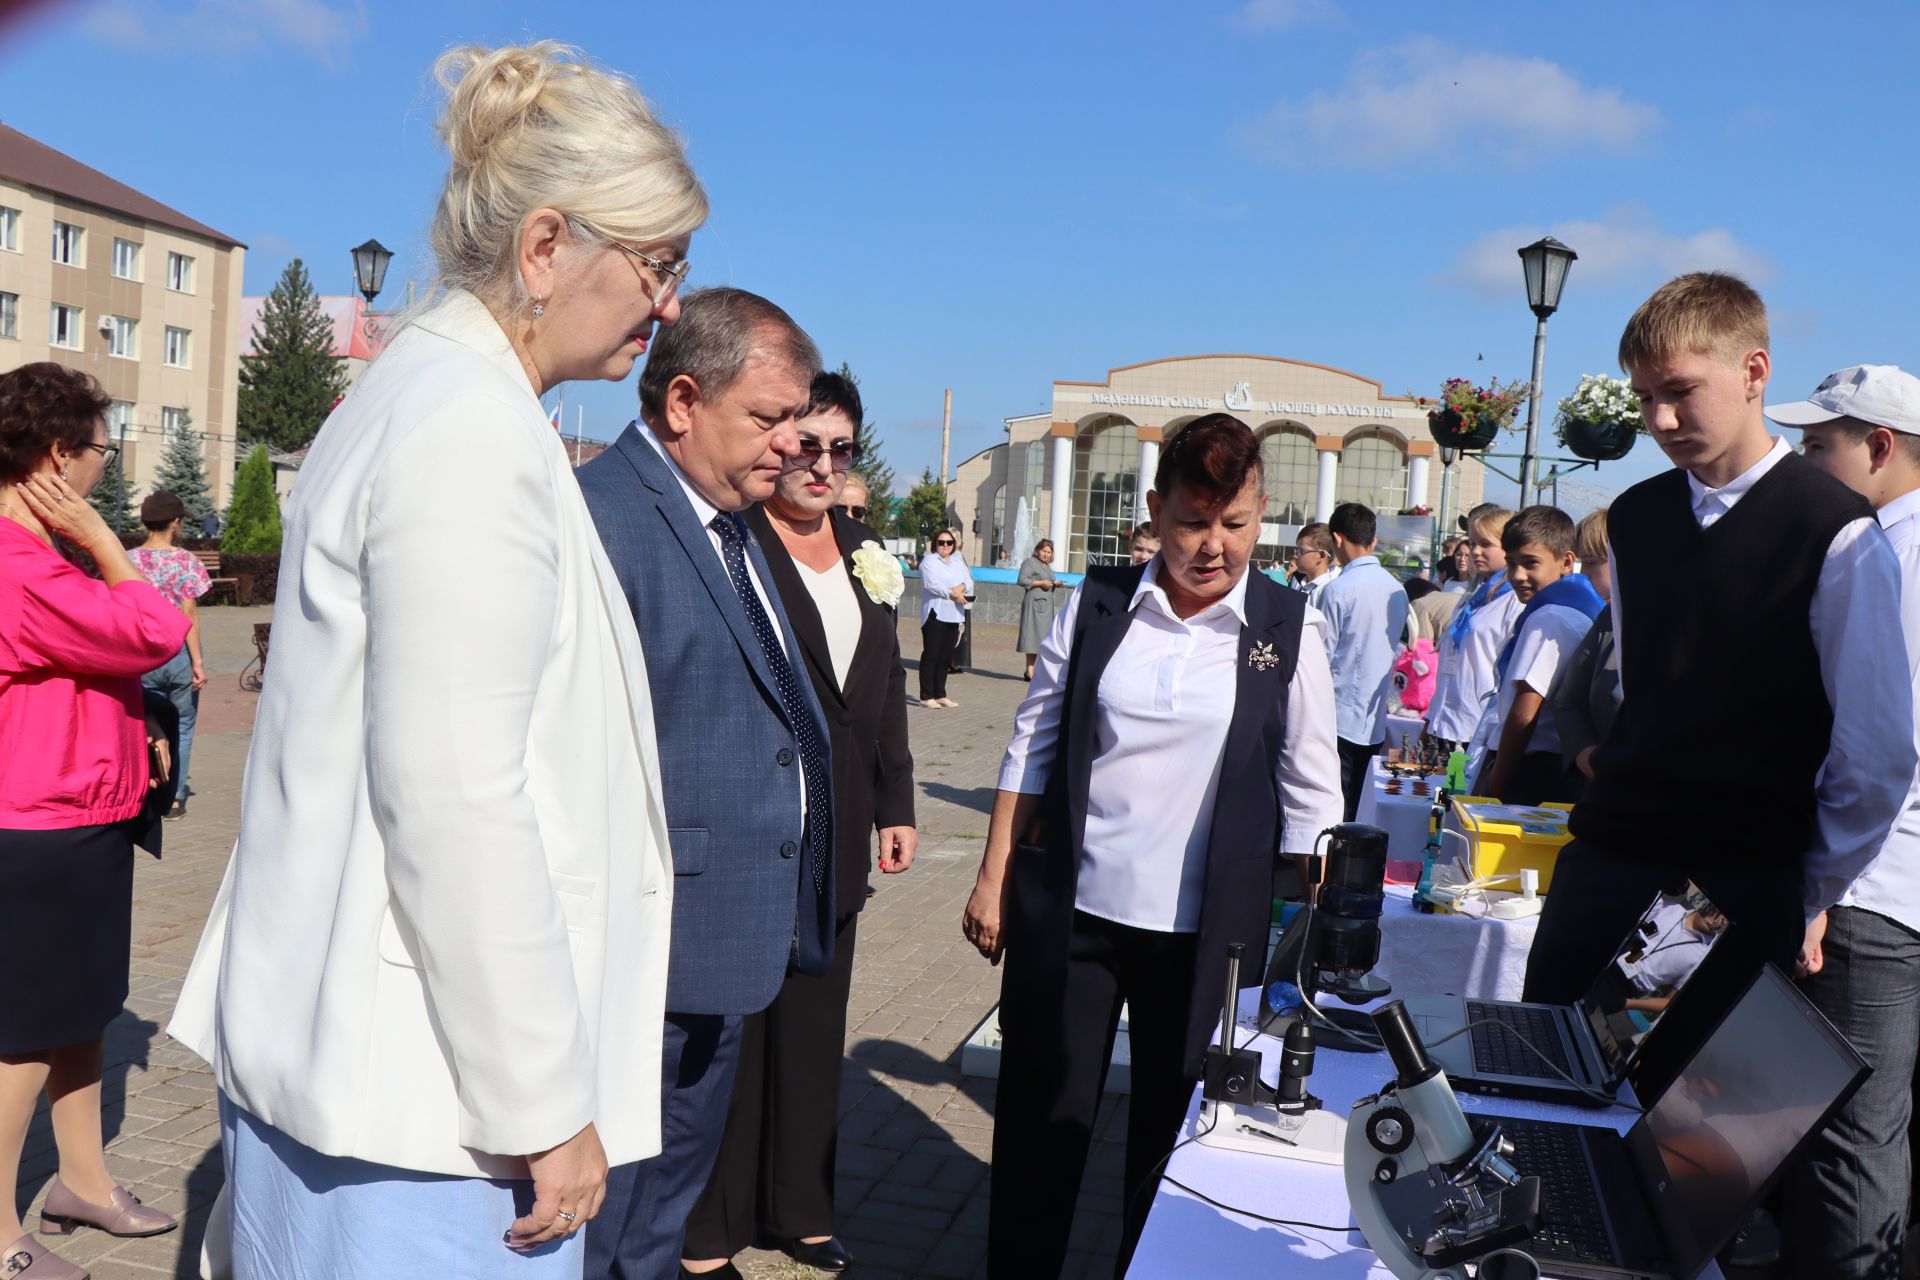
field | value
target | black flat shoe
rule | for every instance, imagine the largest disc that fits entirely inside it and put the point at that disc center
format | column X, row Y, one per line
column 828, row 1255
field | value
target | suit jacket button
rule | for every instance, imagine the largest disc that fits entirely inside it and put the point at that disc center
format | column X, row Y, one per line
column 788, row 849
column 783, row 757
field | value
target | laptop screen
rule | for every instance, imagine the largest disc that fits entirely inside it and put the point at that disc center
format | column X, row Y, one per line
column 1768, row 1076
column 1663, row 950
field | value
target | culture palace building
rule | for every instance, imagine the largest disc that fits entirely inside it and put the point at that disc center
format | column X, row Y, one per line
column 1079, row 474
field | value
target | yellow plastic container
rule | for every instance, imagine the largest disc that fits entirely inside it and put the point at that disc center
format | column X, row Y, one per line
column 1504, row 839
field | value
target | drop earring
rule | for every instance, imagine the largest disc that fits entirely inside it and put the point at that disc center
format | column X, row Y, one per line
column 539, row 308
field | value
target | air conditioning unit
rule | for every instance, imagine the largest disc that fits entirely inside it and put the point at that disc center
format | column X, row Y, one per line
column 106, row 324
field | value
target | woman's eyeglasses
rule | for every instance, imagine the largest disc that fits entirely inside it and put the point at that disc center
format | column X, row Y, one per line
column 108, row 452
column 672, row 274
column 843, row 452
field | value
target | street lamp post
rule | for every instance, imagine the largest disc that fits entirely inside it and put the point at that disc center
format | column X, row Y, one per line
column 1545, row 263
column 370, row 275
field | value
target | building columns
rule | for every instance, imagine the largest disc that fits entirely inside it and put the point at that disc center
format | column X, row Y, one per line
column 1149, row 463
column 1062, row 496
column 1329, row 478
column 1417, row 481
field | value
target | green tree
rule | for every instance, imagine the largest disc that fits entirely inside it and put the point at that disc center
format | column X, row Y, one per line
column 113, row 499
column 872, row 468
column 253, row 517
column 292, row 380
column 183, row 473
column 925, row 510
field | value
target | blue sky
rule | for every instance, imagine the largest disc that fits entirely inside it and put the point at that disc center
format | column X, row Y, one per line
column 991, row 196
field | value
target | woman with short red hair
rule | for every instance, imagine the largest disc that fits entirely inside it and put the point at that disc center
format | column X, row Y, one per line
column 73, row 739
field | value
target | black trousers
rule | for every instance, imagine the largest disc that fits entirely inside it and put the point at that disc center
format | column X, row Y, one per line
column 937, row 640
column 774, row 1174
column 1354, row 759
column 1056, row 1040
column 1597, row 895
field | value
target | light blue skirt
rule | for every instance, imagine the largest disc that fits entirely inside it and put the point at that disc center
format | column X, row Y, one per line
column 300, row 1215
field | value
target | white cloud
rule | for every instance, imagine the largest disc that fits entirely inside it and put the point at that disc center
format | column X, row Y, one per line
column 1282, row 15
column 1428, row 100
column 321, row 30
column 1621, row 247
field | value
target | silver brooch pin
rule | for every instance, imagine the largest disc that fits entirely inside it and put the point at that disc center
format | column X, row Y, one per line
column 1262, row 657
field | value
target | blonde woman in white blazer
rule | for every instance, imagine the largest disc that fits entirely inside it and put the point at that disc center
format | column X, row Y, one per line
column 433, row 984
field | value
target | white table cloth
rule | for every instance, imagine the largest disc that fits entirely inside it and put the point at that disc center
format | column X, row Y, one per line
column 1404, row 817
column 1403, row 732
column 1461, row 955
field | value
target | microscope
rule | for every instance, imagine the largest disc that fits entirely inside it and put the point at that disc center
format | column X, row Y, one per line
column 1428, row 1194
column 1333, row 943
column 1240, row 1112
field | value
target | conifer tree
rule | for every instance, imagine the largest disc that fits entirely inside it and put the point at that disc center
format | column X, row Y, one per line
column 253, row 517
column 113, row 499
column 183, row 473
column 293, row 379
column 872, row 468
column 925, row 511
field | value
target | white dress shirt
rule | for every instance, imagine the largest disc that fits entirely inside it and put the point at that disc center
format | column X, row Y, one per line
column 1465, row 686
column 939, row 575
column 1546, row 640
column 1868, row 675
column 1890, row 886
column 1162, row 711
column 1316, row 588
column 1366, row 611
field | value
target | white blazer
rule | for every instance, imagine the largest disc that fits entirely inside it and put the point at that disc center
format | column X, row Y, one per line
column 441, row 943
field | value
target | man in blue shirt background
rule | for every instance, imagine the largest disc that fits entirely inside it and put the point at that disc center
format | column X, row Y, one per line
column 1366, row 612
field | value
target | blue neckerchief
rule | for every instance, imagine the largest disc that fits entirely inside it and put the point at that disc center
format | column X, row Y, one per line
column 1572, row 592
column 1487, row 592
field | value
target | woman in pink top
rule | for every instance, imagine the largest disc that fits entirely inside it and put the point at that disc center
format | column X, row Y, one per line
column 73, row 772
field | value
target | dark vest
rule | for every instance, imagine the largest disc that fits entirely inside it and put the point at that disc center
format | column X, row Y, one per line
column 1244, row 836
column 1699, row 763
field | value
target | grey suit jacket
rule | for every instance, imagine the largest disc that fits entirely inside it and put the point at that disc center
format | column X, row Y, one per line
column 744, row 902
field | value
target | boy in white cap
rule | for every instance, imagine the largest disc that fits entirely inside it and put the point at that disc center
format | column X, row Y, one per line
column 1862, row 958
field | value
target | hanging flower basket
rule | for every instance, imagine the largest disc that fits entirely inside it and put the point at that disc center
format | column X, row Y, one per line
column 1606, row 441
column 1451, row 430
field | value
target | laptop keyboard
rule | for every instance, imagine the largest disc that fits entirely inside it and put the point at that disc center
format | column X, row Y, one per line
column 1497, row 1053
column 1570, row 1217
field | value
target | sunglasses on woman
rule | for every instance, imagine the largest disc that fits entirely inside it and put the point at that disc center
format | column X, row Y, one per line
column 942, row 542
column 843, row 452
column 858, row 512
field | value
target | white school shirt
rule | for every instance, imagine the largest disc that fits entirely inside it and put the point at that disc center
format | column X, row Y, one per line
column 1890, row 886
column 1366, row 615
column 1464, row 687
column 1161, row 717
column 1546, row 640
column 1864, row 664
column 1315, row 588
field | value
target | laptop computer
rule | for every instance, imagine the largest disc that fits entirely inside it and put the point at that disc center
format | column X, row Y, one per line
column 1596, row 1039
column 1660, row 1201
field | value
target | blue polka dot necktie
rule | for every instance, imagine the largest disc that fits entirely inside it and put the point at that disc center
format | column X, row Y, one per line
column 813, row 751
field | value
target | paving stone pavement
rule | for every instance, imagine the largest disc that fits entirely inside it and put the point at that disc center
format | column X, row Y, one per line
column 915, row 1137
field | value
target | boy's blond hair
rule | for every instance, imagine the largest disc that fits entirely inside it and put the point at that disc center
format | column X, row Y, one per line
column 1590, row 537
column 1706, row 313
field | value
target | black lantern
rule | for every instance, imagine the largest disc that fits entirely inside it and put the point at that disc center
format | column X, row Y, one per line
column 370, row 268
column 1545, row 261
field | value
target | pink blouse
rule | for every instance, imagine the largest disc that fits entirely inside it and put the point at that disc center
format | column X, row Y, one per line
column 73, row 740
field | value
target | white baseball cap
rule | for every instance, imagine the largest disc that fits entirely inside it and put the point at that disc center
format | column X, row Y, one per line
column 1879, row 394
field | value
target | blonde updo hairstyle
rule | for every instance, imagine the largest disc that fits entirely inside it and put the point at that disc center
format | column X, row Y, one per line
column 539, row 126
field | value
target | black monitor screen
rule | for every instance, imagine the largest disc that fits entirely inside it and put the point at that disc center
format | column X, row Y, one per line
column 1628, row 998
column 1766, row 1078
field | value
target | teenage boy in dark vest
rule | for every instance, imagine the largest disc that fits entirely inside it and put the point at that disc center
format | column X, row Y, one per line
column 1847, row 1215
column 1560, row 606
column 1772, row 805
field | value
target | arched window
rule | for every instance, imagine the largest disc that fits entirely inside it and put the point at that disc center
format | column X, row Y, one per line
column 1106, row 476
column 1288, row 457
column 1373, row 471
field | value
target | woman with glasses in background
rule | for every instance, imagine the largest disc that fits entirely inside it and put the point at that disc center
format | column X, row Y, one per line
column 945, row 584
column 73, row 736
column 773, row 1178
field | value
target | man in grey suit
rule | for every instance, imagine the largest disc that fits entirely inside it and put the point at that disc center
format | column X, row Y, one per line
column 743, row 745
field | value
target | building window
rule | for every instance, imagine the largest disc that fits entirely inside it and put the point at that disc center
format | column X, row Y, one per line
column 63, row 328
column 1106, row 477
column 1373, row 471
column 175, row 351
column 119, row 419
column 173, row 419
column 68, row 244
column 126, row 259
column 120, row 338
column 9, row 315
column 179, row 273
column 1292, row 464
column 997, row 536
column 9, row 228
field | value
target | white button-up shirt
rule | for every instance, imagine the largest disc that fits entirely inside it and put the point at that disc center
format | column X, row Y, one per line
column 1864, row 664
column 1366, row 611
column 1465, row 686
column 1162, row 711
column 1546, row 640
column 937, row 577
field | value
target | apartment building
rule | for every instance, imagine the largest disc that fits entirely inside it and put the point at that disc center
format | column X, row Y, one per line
column 100, row 277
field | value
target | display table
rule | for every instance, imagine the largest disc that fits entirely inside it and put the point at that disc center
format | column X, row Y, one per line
column 1403, row 732
column 1186, row 1236
column 1462, row 955
column 1403, row 817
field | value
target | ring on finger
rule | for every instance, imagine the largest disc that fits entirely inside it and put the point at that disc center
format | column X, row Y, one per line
column 566, row 1217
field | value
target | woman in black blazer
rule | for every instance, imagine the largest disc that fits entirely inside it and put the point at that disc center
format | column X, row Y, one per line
column 774, row 1175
